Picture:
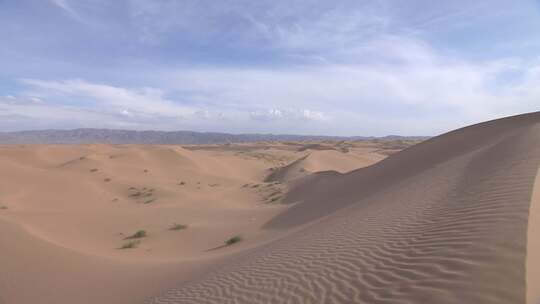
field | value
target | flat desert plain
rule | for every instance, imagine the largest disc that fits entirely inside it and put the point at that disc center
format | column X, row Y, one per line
column 453, row 219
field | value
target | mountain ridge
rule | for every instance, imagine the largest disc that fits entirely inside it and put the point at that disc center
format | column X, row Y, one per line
column 119, row 136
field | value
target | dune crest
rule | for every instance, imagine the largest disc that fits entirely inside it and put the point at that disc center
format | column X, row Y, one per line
column 320, row 161
column 442, row 222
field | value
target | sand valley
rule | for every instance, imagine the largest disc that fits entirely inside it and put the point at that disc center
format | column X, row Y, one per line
column 68, row 210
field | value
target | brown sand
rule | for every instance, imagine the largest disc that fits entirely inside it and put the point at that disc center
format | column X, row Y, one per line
column 445, row 221
column 533, row 246
column 69, row 208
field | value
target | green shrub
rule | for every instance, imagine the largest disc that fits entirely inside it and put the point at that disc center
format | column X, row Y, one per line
column 178, row 227
column 235, row 239
column 275, row 199
column 130, row 245
column 149, row 201
column 137, row 235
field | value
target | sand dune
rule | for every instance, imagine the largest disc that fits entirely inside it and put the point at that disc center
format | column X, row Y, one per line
column 319, row 161
column 66, row 210
column 445, row 221
column 453, row 219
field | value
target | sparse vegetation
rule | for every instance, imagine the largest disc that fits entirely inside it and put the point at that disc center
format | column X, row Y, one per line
column 131, row 244
column 181, row 183
column 178, row 227
column 107, row 180
column 150, row 201
column 137, row 235
column 136, row 194
column 3, row 207
column 235, row 239
column 144, row 196
column 278, row 192
column 93, row 170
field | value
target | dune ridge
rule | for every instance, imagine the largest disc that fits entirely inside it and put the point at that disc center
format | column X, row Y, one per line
column 321, row 161
column 444, row 221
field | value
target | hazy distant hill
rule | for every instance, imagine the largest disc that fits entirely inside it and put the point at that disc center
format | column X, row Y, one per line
column 107, row 136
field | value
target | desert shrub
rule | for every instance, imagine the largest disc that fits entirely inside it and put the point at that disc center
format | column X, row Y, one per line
column 149, row 201
column 137, row 235
column 235, row 239
column 3, row 207
column 130, row 245
column 275, row 199
column 136, row 194
column 178, row 227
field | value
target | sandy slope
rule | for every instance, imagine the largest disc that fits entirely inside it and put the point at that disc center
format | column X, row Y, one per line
column 69, row 209
column 326, row 160
column 533, row 246
column 445, row 221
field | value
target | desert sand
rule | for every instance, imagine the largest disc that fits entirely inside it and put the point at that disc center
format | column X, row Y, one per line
column 66, row 210
column 445, row 221
column 453, row 219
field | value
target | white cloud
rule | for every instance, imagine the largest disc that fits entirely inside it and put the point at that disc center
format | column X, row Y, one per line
column 20, row 100
column 64, row 5
column 346, row 99
column 337, row 67
column 140, row 108
column 287, row 114
column 143, row 101
column 402, row 76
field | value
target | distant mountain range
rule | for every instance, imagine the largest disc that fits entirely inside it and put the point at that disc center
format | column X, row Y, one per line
column 108, row 136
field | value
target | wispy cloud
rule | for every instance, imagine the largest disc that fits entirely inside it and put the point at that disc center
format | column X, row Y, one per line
column 66, row 7
column 288, row 114
column 302, row 66
column 140, row 108
column 145, row 101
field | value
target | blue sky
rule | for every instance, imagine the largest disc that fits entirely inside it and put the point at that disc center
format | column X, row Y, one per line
column 342, row 67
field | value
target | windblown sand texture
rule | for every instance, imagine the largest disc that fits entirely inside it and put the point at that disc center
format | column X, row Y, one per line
column 445, row 221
